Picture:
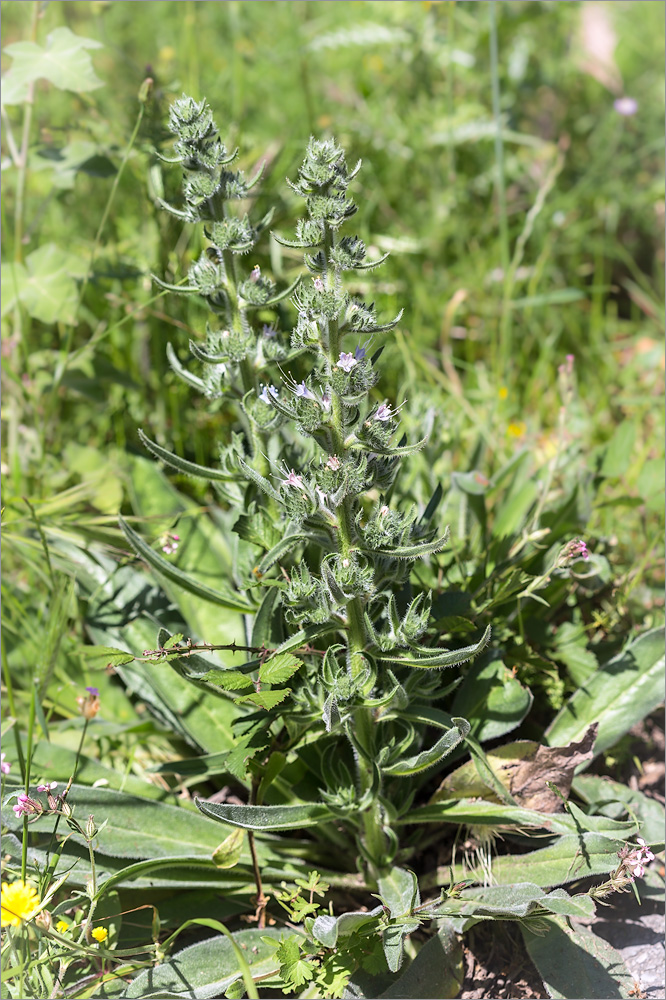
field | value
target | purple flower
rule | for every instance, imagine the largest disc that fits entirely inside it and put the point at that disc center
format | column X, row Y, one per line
column 383, row 413
column 326, row 402
column 626, row 106
column 303, row 392
column 359, row 353
column 318, row 283
column 5, row 766
column 50, row 785
column 577, row 550
column 93, row 691
column 263, row 395
column 346, row 362
column 268, row 331
column 293, row 480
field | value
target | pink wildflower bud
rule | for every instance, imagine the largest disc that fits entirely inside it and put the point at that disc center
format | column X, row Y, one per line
column 293, row 480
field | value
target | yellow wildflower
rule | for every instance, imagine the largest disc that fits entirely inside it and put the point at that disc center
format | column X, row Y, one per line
column 503, row 392
column 62, row 927
column 20, row 902
column 100, row 934
column 516, row 430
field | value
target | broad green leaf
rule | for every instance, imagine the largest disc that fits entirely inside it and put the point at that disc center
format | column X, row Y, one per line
column 427, row 758
column 207, row 764
column 327, row 929
column 620, row 450
column 492, row 700
column 399, row 890
column 64, row 61
column 46, row 284
column 436, row 972
column 58, row 763
column 122, row 605
column 393, row 942
column 477, row 812
column 205, row 550
column 569, row 858
column 619, row 694
column 225, row 598
column 267, row 817
column 207, row 969
column 228, row 854
column 518, row 900
column 577, row 963
column 137, row 827
column 614, row 799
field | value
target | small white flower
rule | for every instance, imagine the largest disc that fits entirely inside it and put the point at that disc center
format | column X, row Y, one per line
column 318, row 283
column 255, row 273
column 333, row 463
column 383, row 413
column 383, row 510
column 345, row 563
column 326, row 402
column 346, row 362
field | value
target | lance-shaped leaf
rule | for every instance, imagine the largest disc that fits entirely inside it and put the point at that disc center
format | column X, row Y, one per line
column 427, row 758
column 294, row 244
column 412, row 551
column 428, row 658
column 378, row 327
column 285, row 545
column 180, row 289
column 193, row 380
column 182, row 464
column 257, row 478
column 391, row 451
column 227, row 599
column 267, row 817
column 203, row 355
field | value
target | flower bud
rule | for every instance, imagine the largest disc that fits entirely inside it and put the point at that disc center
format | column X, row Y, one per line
column 91, row 828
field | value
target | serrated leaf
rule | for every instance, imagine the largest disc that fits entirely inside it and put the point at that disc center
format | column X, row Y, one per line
column 267, row 817
column 427, row 758
column 106, row 655
column 279, row 668
column 229, row 680
column 294, row 970
column 618, row 695
column 226, row 599
column 265, row 699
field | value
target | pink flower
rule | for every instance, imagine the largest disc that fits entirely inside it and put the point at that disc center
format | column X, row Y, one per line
column 333, row 463
column 293, row 480
column 577, row 549
column 25, row 805
column 255, row 274
column 5, row 766
column 49, row 786
column 626, row 106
